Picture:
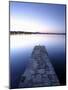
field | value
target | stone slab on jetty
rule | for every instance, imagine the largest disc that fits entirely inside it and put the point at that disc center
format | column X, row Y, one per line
column 39, row 71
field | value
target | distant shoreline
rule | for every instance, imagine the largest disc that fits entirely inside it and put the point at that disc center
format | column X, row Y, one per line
column 22, row 32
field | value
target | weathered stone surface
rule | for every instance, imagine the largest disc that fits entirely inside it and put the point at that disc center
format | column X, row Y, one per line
column 39, row 71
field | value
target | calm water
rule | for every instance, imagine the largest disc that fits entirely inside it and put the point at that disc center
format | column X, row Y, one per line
column 21, row 47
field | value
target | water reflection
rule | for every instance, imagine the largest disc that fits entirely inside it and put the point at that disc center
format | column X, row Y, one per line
column 22, row 41
column 21, row 47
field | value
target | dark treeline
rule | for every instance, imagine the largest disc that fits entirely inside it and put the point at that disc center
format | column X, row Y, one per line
column 22, row 32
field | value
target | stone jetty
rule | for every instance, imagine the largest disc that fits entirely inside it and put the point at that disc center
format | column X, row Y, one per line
column 39, row 71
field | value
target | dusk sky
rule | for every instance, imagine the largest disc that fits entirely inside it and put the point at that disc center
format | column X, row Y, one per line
column 34, row 17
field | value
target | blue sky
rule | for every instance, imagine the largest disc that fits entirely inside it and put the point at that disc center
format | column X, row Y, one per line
column 37, row 17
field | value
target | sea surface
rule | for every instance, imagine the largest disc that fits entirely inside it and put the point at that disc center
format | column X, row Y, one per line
column 21, row 47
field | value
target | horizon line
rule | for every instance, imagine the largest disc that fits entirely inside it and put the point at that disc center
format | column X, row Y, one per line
column 23, row 32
